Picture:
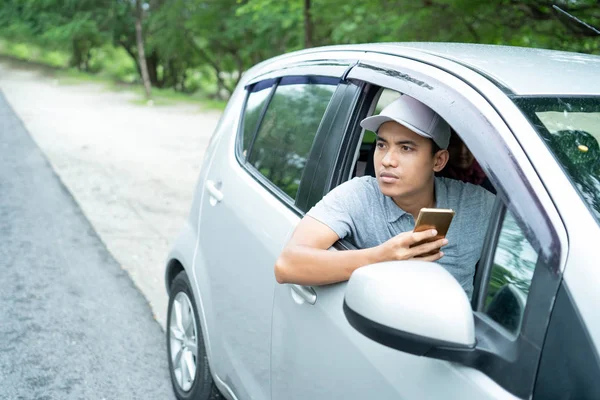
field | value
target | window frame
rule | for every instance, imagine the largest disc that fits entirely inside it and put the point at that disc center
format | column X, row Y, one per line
column 497, row 352
column 328, row 72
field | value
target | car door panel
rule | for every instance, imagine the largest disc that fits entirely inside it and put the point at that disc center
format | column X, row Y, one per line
column 248, row 212
column 238, row 248
column 318, row 355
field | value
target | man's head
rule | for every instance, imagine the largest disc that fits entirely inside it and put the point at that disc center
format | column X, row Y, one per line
column 411, row 146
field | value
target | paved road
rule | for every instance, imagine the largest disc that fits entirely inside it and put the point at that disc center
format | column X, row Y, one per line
column 132, row 169
column 72, row 324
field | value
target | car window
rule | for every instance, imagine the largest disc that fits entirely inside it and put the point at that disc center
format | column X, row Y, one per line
column 386, row 98
column 364, row 162
column 511, row 275
column 571, row 129
column 257, row 98
column 286, row 133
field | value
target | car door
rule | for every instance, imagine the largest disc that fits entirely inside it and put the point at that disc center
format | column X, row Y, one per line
column 247, row 211
column 317, row 354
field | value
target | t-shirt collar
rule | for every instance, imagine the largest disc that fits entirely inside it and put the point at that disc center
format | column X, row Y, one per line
column 395, row 213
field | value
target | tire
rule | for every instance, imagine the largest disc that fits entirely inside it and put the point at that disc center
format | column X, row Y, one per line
column 182, row 337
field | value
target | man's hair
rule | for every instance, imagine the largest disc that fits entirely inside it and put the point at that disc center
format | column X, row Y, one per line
column 434, row 147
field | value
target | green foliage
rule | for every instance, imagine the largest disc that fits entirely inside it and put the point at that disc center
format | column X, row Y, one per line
column 76, row 26
column 28, row 52
column 205, row 45
column 114, row 63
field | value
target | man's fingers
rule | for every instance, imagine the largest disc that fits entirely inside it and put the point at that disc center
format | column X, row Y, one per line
column 417, row 237
column 434, row 245
column 433, row 257
column 428, row 247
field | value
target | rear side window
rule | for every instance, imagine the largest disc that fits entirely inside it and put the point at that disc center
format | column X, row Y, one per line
column 257, row 99
column 285, row 134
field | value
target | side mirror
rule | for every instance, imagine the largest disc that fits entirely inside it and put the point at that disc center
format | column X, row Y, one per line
column 412, row 306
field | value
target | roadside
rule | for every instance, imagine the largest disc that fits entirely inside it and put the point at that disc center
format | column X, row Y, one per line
column 73, row 326
column 131, row 168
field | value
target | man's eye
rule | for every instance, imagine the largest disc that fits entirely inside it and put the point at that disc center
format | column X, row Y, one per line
column 380, row 145
column 406, row 148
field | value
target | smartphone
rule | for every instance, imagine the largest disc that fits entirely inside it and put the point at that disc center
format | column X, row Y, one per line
column 433, row 218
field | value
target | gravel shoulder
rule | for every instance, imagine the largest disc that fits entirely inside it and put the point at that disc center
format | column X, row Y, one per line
column 132, row 169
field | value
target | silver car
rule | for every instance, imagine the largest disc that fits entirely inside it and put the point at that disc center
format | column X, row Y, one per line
column 397, row 330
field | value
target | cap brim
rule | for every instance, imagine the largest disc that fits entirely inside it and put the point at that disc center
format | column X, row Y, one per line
column 374, row 122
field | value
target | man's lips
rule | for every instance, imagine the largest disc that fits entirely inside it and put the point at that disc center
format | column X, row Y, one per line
column 388, row 177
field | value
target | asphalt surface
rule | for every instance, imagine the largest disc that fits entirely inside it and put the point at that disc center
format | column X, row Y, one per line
column 72, row 324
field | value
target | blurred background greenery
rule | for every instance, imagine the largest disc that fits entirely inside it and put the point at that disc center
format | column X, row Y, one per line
column 201, row 47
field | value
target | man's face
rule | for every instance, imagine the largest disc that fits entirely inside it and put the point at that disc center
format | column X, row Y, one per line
column 404, row 163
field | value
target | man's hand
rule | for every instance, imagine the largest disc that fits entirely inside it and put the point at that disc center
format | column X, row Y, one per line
column 398, row 247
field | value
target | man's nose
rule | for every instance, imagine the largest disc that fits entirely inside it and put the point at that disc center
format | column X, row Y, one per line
column 389, row 160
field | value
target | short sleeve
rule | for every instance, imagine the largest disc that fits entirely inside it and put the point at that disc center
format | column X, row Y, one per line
column 338, row 208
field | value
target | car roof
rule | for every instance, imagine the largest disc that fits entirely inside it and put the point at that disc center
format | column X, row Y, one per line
column 520, row 70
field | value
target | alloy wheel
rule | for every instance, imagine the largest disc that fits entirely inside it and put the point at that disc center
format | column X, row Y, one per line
column 183, row 340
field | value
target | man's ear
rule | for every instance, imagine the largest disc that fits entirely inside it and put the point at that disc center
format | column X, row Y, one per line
column 440, row 159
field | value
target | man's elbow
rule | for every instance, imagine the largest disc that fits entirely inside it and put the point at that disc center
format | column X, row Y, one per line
column 281, row 269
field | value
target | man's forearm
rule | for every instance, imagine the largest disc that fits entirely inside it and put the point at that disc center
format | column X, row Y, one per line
column 304, row 265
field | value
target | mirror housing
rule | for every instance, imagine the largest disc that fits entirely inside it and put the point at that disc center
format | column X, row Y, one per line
column 412, row 306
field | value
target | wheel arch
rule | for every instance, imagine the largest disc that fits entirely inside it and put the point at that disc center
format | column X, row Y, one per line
column 174, row 267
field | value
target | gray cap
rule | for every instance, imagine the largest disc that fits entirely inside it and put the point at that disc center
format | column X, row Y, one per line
column 414, row 115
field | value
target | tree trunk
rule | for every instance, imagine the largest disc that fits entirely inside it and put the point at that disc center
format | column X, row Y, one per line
column 152, row 62
column 140, row 47
column 76, row 56
column 308, row 28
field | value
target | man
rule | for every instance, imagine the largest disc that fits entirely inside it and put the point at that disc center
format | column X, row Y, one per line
column 378, row 214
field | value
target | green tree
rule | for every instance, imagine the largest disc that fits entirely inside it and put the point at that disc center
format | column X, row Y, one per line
column 222, row 38
column 77, row 26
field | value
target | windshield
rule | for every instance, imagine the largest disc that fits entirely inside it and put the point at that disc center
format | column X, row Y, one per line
column 571, row 128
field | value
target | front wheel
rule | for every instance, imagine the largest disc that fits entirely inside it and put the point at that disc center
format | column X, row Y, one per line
column 188, row 364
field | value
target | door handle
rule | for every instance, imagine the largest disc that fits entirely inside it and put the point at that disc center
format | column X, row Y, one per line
column 211, row 188
column 306, row 292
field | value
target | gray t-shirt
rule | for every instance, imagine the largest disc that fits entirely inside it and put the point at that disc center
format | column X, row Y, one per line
column 358, row 211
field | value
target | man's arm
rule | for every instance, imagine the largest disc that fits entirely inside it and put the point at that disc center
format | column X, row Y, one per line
column 306, row 260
